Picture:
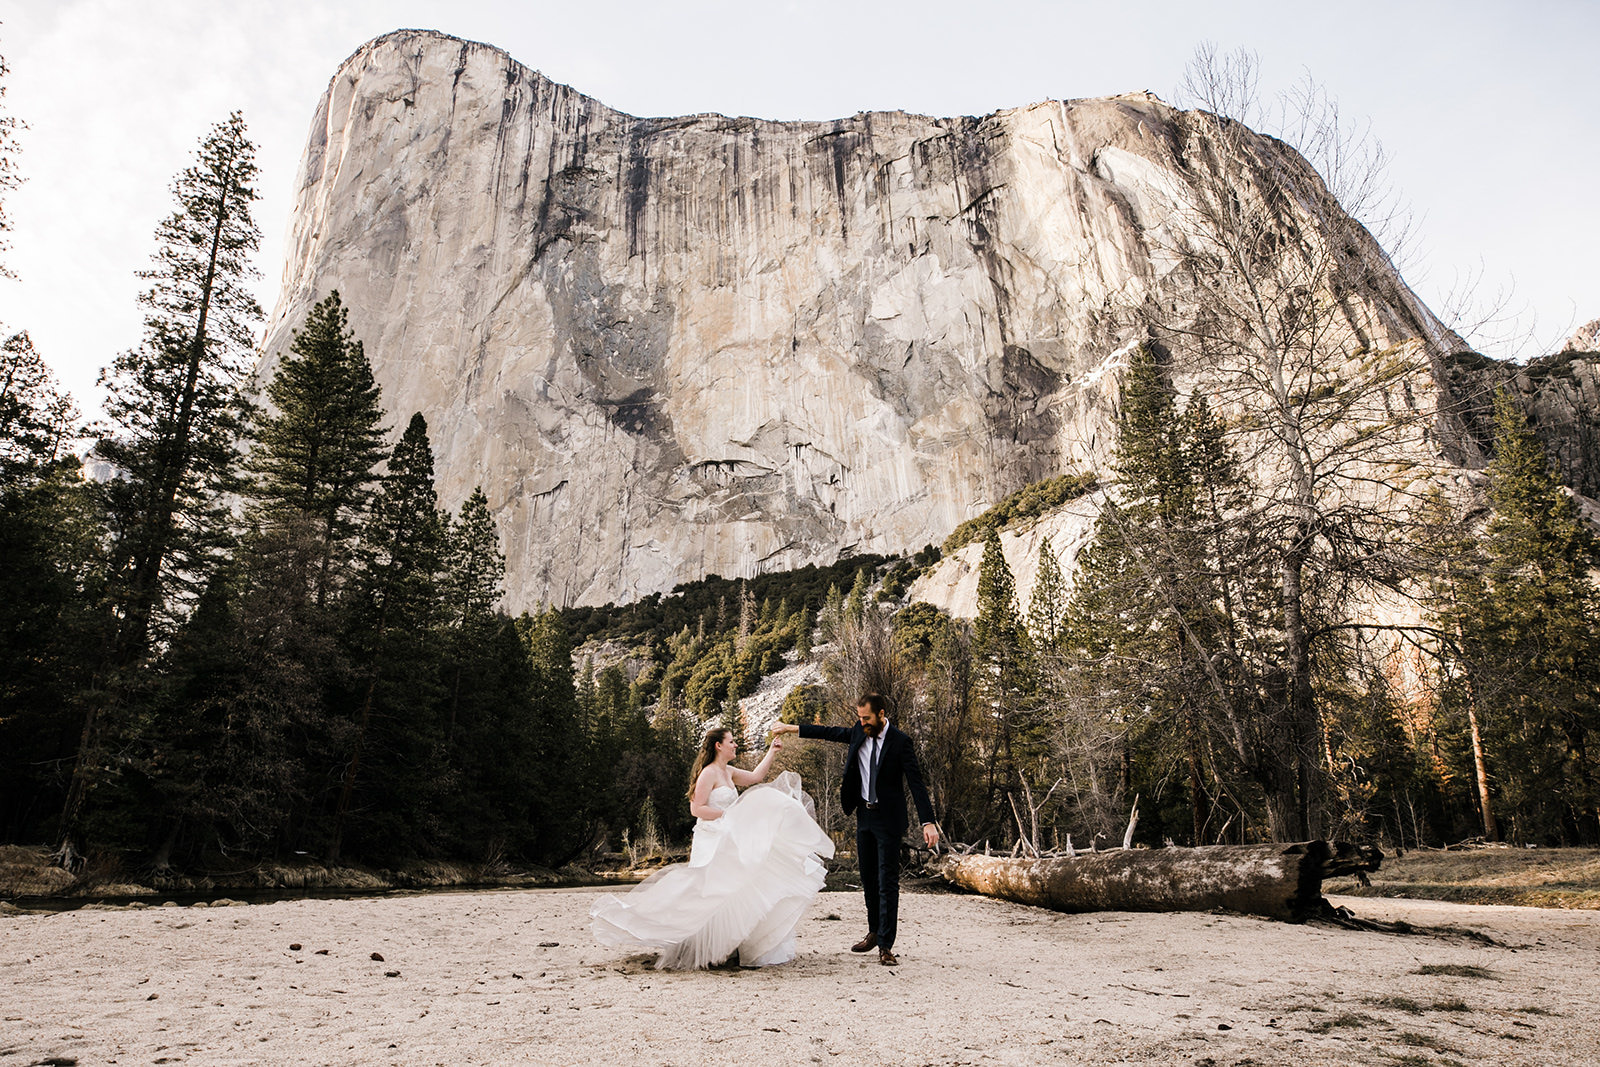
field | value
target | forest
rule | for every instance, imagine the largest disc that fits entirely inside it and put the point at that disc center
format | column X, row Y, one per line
column 238, row 625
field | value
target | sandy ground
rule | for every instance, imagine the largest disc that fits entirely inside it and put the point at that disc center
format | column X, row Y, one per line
column 512, row 976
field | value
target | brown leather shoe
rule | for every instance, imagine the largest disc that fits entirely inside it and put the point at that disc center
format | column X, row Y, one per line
column 866, row 944
column 887, row 958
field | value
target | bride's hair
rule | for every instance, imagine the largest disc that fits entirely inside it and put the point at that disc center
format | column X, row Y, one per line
column 708, row 754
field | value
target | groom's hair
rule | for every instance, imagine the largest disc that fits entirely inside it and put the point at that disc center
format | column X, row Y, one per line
column 874, row 701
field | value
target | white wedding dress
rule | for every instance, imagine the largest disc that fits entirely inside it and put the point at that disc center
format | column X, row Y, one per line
column 749, row 878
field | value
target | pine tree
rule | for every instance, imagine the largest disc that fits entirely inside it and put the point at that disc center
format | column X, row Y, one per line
column 1151, row 606
column 476, row 564
column 802, row 636
column 37, row 419
column 749, row 614
column 319, row 445
column 830, row 621
column 174, row 402
column 1047, row 607
column 1529, row 621
column 474, row 568
column 996, row 630
column 1000, row 673
column 565, row 819
column 396, row 606
column 175, row 410
column 52, row 628
column 855, row 605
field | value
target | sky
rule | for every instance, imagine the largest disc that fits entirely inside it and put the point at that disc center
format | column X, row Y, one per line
column 1487, row 111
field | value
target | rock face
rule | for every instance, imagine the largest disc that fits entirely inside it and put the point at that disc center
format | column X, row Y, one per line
column 671, row 347
column 1560, row 394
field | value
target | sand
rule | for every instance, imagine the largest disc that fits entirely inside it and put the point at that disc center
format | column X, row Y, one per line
column 508, row 977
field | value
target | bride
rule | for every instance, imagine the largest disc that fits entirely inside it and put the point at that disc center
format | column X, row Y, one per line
column 753, row 868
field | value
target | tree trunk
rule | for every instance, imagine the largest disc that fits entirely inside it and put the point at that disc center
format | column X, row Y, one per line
column 1276, row 881
column 1302, row 707
column 1481, row 767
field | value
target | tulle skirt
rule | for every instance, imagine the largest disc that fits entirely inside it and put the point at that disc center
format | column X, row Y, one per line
column 750, row 876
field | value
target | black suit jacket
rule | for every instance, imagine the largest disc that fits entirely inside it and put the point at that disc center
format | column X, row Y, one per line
column 897, row 769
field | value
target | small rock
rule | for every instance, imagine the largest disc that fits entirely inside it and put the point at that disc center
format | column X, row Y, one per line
column 152, row 996
column 199, row 904
column 391, row 974
column 1224, row 1026
column 321, row 952
column 295, row 947
column 170, row 904
column 377, row 957
column 549, row 944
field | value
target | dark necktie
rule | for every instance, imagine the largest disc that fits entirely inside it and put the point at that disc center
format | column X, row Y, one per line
column 872, row 778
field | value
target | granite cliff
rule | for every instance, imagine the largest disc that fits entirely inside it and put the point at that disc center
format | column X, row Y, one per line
column 669, row 347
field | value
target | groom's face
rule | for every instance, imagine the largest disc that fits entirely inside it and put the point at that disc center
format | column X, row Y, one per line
column 871, row 721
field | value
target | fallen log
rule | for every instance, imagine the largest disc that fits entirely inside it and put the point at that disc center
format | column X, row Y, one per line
column 1277, row 881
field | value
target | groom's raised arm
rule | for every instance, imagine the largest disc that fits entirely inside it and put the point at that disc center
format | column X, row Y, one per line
column 840, row 734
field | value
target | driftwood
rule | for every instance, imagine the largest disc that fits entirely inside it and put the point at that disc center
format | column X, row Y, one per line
column 1277, row 881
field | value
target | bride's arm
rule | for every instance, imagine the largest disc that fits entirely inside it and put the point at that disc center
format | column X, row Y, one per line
column 700, row 804
column 760, row 771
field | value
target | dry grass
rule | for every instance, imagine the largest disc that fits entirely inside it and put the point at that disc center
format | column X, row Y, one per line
column 1347, row 1020
column 27, row 872
column 1542, row 878
column 1424, row 1041
column 1456, row 970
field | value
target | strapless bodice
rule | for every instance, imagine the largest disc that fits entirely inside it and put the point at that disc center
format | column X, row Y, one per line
column 723, row 796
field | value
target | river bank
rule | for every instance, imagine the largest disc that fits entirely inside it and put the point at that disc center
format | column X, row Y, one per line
column 29, row 880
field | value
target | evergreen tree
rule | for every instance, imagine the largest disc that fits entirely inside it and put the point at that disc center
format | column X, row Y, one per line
column 749, row 614
column 1047, row 607
column 52, row 628
column 999, row 675
column 830, row 621
column 855, row 604
column 1151, row 610
column 174, row 402
column 37, row 419
column 500, row 796
column 476, row 564
column 564, row 821
column 175, row 411
column 319, row 445
column 997, row 628
column 1529, row 623
column 802, row 637
column 394, row 612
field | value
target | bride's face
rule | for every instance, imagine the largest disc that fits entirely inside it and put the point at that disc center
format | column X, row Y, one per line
column 727, row 748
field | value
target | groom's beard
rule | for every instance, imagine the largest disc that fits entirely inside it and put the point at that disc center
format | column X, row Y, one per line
column 872, row 728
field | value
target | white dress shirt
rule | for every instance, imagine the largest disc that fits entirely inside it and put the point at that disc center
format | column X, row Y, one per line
column 871, row 750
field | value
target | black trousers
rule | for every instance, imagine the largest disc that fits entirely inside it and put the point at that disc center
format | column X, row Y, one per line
column 878, row 851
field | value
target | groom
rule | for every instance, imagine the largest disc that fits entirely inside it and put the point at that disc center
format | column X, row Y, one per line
column 880, row 759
